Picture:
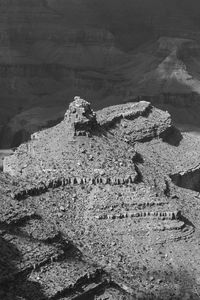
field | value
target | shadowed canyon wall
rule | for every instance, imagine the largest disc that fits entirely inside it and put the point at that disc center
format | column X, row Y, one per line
column 108, row 52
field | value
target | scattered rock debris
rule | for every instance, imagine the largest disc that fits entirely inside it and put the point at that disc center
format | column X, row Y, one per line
column 89, row 211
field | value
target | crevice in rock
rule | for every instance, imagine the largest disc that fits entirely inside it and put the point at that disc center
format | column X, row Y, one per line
column 167, row 190
column 139, row 175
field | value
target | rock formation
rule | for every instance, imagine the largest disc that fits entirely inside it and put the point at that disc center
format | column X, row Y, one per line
column 89, row 209
column 127, row 121
column 64, row 145
column 80, row 117
column 189, row 178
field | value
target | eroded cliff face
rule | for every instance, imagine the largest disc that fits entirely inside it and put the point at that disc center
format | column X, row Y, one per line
column 43, row 57
column 51, row 50
column 165, row 73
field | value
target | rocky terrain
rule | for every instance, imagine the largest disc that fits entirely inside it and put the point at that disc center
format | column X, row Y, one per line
column 99, row 207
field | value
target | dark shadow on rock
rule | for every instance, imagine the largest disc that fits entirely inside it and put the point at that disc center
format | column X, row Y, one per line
column 10, row 287
column 172, row 136
column 167, row 190
column 163, row 285
column 20, row 287
column 13, row 286
column 14, row 281
column 139, row 175
column 173, row 285
column 186, row 221
column 189, row 179
column 9, row 254
column 138, row 159
column 22, row 290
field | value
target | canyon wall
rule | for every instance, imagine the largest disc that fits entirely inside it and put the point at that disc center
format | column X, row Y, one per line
column 108, row 52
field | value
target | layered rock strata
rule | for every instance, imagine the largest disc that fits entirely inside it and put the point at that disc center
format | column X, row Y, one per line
column 87, row 205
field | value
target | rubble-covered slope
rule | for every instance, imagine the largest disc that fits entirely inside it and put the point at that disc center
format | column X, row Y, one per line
column 78, row 147
column 90, row 213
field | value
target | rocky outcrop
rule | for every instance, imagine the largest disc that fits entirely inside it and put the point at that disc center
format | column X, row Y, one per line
column 80, row 117
column 183, row 107
column 85, row 139
column 110, row 116
column 189, row 179
column 87, row 208
column 138, row 122
column 71, row 276
column 77, row 147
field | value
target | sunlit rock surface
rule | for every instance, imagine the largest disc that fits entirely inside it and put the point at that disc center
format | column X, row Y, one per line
column 92, row 210
column 58, row 149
